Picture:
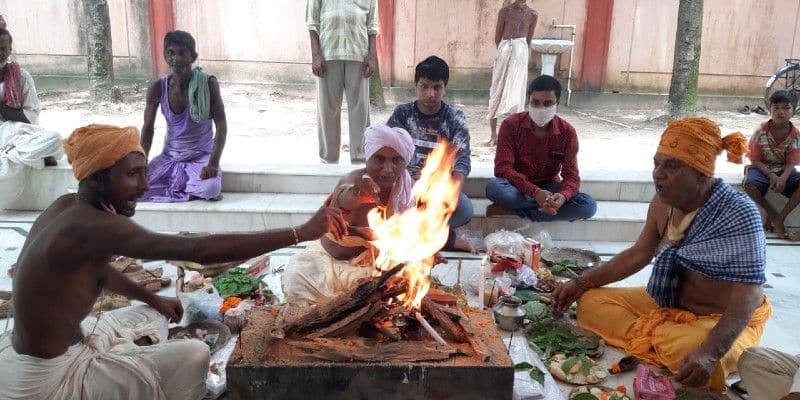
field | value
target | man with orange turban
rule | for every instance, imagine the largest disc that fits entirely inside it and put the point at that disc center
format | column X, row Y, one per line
column 56, row 350
column 704, row 304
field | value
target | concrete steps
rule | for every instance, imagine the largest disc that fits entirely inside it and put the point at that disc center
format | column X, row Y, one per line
column 272, row 196
column 615, row 221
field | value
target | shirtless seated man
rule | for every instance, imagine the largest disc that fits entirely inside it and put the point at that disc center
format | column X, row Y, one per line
column 55, row 351
column 704, row 304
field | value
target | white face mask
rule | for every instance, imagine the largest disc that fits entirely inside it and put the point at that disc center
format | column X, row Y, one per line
column 543, row 115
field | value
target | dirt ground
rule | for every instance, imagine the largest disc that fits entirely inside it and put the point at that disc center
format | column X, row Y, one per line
column 267, row 126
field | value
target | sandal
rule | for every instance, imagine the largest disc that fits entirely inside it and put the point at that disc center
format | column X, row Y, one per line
column 745, row 109
column 760, row 110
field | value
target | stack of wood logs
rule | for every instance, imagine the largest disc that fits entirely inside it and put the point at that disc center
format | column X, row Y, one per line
column 375, row 324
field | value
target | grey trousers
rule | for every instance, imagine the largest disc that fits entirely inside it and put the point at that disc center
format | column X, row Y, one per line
column 769, row 374
column 347, row 77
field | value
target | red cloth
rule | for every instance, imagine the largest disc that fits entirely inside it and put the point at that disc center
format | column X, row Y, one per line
column 527, row 161
column 12, row 80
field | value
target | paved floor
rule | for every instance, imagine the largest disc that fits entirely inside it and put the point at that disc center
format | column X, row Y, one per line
column 783, row 275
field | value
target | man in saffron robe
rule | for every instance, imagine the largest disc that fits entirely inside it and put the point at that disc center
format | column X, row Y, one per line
column 704, row 303
column 188, row 168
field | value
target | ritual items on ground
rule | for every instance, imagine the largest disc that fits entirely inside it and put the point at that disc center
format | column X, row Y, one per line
column 535, row 373
column 625, row 364
column 577, row 369
column 596, row 392
column 236, row 282
column 551, row 337
column 688, row 393
column 569, row 262
column 211, row 332
column 650, row 386
column 508, row 313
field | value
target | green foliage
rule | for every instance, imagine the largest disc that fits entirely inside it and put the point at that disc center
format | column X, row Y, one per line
column 523, row 366
column 549, row 338
column 536, row 374
column 235, row 283
column 537, row 311
column 568, row 268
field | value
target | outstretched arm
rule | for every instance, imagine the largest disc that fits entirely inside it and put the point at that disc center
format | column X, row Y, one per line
column 150, row 109
column 623, row 265
column 221, row 123
column 699, row 365
column 119, row 235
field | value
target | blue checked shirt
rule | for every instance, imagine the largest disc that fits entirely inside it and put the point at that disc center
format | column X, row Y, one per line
column 725, row 242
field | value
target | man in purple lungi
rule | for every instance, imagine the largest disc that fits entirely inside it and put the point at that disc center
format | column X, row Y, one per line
column 188, row 168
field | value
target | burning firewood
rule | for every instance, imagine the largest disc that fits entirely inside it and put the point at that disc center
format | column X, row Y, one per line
column 358, row 349
column 342, row 306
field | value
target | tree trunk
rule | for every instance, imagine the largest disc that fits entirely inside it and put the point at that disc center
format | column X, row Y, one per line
column 99, row 50
column 686, row 63
column 376, row 89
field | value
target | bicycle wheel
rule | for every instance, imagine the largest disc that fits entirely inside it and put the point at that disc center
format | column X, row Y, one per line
column 786, row 78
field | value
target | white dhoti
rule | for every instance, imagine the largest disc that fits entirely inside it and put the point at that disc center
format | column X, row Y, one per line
column 314, row 277
column 107, row 364
column 22, row 147
column 509, row 78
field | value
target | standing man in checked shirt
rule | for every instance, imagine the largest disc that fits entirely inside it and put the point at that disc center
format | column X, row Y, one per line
column 343, row 57
column 704, row 303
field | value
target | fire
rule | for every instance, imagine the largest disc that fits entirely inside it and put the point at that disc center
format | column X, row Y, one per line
column 414, row 236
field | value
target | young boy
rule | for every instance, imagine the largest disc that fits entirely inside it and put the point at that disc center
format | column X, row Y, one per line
column 429, row 119
column 774, row 152
column 188, row 168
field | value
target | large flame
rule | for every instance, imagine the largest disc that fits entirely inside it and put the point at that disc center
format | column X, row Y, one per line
column 414, row 236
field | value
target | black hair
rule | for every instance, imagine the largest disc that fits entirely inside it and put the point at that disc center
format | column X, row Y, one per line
column 180, row 38
column 781, row 96
column 545, row 83
column 4, row 31
column 432, row 68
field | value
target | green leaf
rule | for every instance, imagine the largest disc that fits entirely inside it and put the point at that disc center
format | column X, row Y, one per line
column 522, row 366
column 536, row 311
column 584, row 396
column 567, row 365
column 537, row 375
column 526, row 295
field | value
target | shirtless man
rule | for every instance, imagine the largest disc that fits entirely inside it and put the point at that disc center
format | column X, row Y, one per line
column 515, row 25
column 63, row 266
column 704, row 304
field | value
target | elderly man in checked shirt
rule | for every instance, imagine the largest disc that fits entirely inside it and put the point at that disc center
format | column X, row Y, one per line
column 343, row 57
column 704, row 304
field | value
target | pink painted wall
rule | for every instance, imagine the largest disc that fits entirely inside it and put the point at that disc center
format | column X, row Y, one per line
column 48, row 38
column 249, row 40
column 462, row 33
column 743, row 43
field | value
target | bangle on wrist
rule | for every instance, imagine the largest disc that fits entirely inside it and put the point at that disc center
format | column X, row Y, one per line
column 295, row 236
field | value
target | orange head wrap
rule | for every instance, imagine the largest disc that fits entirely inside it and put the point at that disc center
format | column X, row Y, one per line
column 698, row 141
column 96, row 147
